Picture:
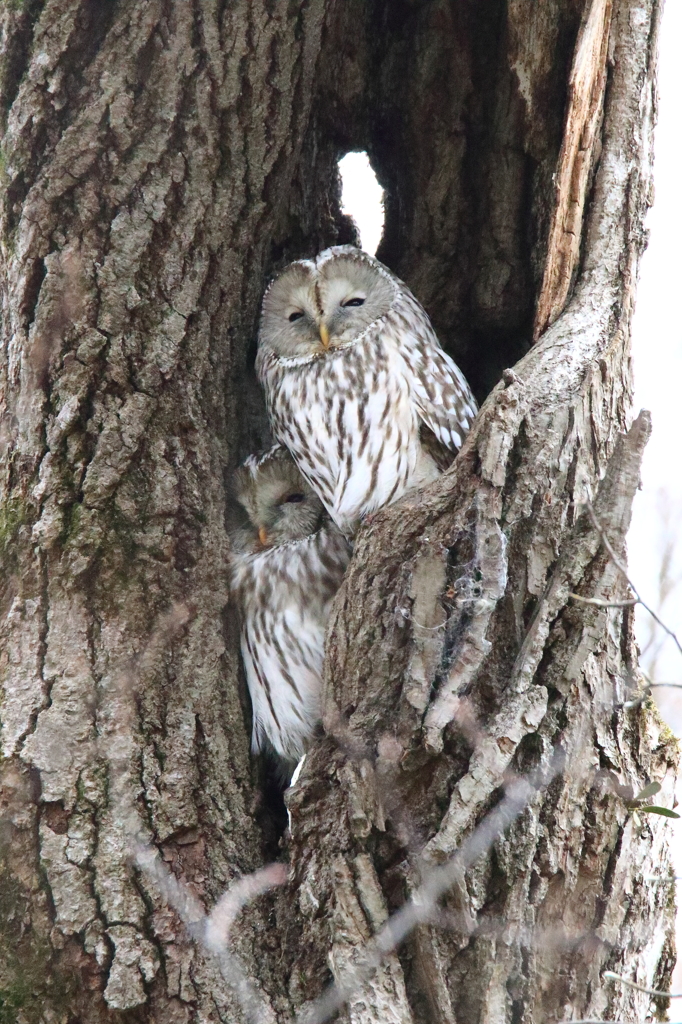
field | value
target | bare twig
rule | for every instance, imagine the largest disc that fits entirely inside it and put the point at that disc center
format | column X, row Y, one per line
column 597, row 602
column 623, row 570
column 211, row 932
column 668, row 578
column 641, row 988
column 229, row 906
column 650, row 685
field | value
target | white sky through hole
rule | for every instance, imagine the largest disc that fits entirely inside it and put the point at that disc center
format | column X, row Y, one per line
column 362, row 198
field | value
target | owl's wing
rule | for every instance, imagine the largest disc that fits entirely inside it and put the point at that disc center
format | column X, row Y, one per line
column 442, row 396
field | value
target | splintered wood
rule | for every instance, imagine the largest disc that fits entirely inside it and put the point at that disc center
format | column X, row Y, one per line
column 585, row 102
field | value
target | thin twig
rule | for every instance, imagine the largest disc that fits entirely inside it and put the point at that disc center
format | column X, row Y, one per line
column 640, row 988
column 209, row 935
column 242, row 892
column 598, row 603
column 647, row 690
column 623, row 570
column 212, row 932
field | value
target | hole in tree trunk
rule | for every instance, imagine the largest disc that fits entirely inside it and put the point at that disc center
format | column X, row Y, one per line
column 362, row 199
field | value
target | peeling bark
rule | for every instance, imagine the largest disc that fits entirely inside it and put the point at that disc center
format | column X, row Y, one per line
column 586, row 96
column 159, row 160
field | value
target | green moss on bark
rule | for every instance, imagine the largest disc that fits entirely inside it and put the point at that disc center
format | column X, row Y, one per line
column 12, row 515
column 28, row 981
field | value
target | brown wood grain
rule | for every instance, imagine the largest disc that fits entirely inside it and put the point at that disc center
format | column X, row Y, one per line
column 585, row 103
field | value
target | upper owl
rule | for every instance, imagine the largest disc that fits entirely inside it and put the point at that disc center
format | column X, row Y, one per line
column 352, row 369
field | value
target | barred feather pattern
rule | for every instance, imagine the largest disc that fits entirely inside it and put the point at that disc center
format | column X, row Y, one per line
column 284, row 595
column 351, row 415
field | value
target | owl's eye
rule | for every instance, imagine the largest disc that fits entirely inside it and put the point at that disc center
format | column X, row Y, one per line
column 295, row 497
column 357, row 301
column 295, row 316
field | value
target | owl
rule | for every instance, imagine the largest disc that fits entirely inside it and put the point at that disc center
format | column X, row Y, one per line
column 354, row 376
column 288, row 560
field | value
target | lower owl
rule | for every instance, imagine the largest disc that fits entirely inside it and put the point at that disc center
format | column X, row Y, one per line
column 288, row 562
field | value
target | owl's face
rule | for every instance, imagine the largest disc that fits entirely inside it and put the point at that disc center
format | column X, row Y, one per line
column 318, row 305
column 277, row 505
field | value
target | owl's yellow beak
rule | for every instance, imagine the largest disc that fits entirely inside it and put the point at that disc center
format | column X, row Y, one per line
column 324, row 335
column 263, row 536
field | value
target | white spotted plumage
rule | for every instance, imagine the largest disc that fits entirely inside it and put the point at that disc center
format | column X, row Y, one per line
column 284, row 592
column 350, row 410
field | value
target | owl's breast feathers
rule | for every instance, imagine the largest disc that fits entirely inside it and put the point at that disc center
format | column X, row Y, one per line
column 284, row 595
column 302, row 572
column 351, row 418
column 349, row 421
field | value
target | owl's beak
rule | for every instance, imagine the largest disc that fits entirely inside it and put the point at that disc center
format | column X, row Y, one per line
column 263, row 536
column 324, row 335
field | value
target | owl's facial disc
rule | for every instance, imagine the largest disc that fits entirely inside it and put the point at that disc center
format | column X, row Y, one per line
column 291, row 315
column 354, row 294
column 289, row 514
column 280, row 506
column 308, row 312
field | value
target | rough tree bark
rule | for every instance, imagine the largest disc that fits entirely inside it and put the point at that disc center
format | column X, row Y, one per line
column 159, row 159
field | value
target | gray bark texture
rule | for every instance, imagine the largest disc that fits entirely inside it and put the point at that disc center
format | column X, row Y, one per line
column 160, row 158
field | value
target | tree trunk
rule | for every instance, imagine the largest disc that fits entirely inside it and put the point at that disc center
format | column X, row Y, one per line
column 160, row 159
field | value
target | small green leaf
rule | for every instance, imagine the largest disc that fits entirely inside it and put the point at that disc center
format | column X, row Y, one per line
column 651, row 790
column 659, row 810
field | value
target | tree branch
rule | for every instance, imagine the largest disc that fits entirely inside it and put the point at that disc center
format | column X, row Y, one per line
column 621, row 567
